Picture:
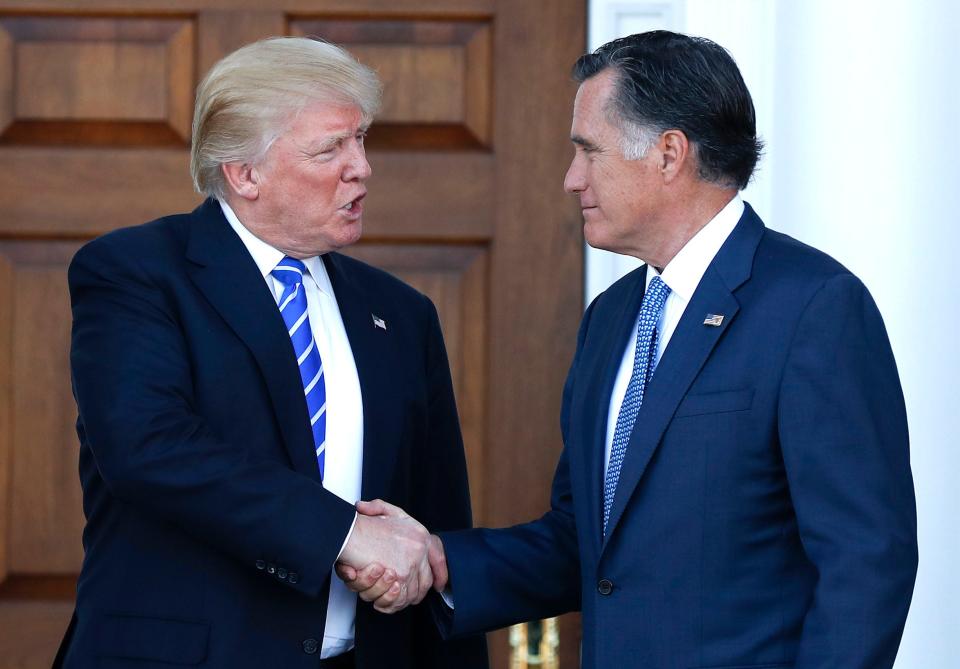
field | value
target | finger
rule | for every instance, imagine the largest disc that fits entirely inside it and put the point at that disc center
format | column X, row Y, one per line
column 425, row 580
column 364, row 579
column 408, row 588
column 438, row 562
column 378, row 507
column 381, row 587
column 385, row 603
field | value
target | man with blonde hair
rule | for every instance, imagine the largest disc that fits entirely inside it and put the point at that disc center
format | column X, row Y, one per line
column 240, row 385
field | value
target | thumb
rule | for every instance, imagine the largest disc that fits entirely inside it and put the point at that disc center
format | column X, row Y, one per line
column 346, row 572
column 437, row 558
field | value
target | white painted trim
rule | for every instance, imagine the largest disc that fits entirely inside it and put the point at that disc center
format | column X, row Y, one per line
column 609, row 20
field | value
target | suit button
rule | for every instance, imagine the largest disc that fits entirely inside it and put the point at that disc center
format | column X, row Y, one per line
column 310, row 646
column 605, row 586
column 294, row 577
column 281, row 573
column 261, row 565
column 271, row 569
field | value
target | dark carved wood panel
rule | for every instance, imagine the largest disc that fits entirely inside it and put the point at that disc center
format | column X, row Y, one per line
column 455, row 278
column 83, row 192
column 6, row 405
column 224, row 31
column 535, row 308
column 348, row 8
column 45, row 514
column 31, row 632
column 73, row 80
column 40, row 517
column 437, row 76
column 51, row 192
column 465, row 204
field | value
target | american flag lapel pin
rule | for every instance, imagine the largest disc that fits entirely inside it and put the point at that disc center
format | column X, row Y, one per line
column 714, row 320
column 379, row 322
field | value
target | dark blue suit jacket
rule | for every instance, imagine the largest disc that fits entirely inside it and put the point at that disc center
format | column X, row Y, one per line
column 765, row 512
column 209, row 538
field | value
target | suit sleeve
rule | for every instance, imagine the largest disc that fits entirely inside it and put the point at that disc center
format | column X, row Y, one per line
column 843, row 431
column 526, row 572
column 131, row 372
column 442, row 496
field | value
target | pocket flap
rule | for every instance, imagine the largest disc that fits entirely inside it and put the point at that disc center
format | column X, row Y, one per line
column 157, row 639
column 722, row 402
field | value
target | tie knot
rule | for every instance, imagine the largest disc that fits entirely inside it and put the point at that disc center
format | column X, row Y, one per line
column 289, row 271
column 657, row 291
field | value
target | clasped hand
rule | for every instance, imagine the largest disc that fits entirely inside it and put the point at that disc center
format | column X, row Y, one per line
column 391, row 559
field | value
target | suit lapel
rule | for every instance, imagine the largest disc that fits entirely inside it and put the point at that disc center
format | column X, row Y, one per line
column 371, row 354
column 605, row 356
column 688, row 350
column 226, row 274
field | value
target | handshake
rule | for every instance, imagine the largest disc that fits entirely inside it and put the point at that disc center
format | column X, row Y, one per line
column 391, row 559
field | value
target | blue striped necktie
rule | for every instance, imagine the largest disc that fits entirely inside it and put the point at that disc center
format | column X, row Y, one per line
column 644, row 362
column 293, row 309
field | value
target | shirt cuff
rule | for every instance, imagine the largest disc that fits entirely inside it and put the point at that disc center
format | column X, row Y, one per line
column 349, row 534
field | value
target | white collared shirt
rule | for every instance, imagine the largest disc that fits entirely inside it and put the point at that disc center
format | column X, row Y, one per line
column 343, row 464
column 682, row 275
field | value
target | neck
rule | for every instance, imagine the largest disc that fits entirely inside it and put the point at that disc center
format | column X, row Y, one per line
column 689, row 217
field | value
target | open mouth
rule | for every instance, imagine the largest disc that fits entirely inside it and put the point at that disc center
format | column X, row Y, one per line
column 354, row 205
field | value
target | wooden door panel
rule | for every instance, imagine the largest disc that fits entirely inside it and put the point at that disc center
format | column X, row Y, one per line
column 74, row 77
column 40, row 512
column 465, row 204
column 438, row 196
column 456, row 280
column 83, row 192
column 31, row 631
column 225, row 30
column 43, row 497
column 345, row 8
column 430, row 196
column 436, row 75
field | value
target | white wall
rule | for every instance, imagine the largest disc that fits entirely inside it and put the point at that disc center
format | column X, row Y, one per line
column 859, row 103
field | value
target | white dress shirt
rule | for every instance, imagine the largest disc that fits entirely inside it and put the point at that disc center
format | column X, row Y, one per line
column 682, row 275
column 343, row 463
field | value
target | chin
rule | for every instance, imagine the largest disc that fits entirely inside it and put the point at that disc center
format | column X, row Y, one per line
column 350, row 235
column 595, row 238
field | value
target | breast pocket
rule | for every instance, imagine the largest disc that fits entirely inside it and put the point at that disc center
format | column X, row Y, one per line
column 709, row 403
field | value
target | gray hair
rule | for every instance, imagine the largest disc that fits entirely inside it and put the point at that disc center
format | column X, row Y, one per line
column 247, row 99
column 668, row 80
column 635, row 138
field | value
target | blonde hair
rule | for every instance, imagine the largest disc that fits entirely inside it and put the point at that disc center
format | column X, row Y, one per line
column 247, row 99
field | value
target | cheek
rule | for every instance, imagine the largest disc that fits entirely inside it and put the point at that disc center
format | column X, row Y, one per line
column 329, row 188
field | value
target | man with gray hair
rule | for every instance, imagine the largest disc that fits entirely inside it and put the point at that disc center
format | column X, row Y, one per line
column 240, row 385
column 734, row 490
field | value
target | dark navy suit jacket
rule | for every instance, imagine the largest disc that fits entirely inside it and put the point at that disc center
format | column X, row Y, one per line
column 765, row 512
column 209, row 538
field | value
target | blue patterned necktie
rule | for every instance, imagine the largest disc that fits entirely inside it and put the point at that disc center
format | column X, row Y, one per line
column 293, row 309
column 644, row 362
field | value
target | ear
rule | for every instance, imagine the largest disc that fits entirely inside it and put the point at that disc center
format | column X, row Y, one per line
column 242, row 178
column 674, row 154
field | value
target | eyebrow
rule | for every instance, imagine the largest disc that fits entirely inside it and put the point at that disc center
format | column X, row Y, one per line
column 584, row 142
column 332, row 140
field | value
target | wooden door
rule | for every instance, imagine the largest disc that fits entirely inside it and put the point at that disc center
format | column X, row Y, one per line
column 466, row 204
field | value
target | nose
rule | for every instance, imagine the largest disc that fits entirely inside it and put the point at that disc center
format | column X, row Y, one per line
column 357, row 169
column 575, row 179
